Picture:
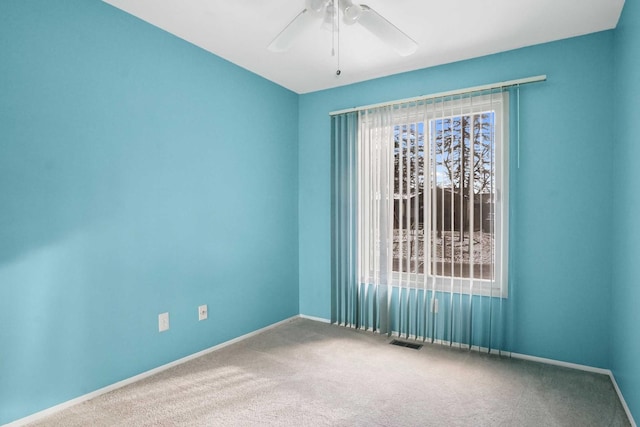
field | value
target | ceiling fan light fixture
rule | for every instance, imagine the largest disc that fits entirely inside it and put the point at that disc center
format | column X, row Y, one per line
column 351, row 13
column 327, row 12
column 316, row 6
column 329, row 18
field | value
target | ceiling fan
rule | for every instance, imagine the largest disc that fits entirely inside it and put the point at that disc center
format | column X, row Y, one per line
column 328, row 11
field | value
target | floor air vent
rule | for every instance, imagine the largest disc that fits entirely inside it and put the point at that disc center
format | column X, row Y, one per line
column 406, row 344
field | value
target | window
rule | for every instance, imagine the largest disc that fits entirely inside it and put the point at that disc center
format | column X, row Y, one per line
column 442, row 169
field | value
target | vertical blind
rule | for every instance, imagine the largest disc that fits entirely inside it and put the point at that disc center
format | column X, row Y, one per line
column 419, row 217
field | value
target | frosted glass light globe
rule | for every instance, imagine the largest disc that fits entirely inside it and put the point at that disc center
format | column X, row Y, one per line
column 352, row 14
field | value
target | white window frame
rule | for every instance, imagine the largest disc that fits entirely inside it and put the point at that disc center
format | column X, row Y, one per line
column 498, row 103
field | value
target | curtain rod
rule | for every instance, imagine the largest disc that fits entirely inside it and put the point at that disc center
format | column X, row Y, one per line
column 509, row 83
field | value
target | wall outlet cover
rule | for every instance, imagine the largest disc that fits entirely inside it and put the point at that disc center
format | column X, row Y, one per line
column 163, row 322
column 203, row 312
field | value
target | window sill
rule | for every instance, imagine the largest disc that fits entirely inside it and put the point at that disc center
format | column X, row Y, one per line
column 477, row 287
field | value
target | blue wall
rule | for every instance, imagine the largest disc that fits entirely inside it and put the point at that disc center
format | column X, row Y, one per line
column 625, row 347
column 138, row 174
column 561, row 198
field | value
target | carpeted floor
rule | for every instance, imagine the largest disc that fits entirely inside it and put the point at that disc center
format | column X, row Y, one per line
column 306, row 373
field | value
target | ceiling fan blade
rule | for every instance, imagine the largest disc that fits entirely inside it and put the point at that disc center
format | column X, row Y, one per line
column 386, row 31
column 283, row 41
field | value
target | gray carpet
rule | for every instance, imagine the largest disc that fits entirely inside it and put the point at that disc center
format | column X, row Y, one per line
column 305, row 373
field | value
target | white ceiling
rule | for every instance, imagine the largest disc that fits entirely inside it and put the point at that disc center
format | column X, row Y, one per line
column 446, row 31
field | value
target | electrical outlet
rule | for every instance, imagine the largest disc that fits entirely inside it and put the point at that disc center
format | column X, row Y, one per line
column 202, row 312
column 434, row 305
column 163, row 322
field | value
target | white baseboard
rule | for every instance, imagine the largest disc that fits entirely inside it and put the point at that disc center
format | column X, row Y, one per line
column 315, row 319
column 54, row 409
column 561, row 363
column 624, row 402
